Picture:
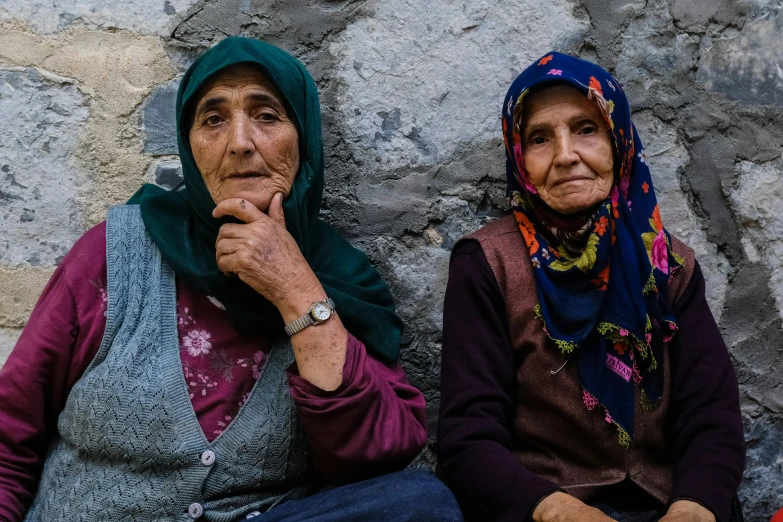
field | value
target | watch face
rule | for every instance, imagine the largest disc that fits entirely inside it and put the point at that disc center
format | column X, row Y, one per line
column 321, row 311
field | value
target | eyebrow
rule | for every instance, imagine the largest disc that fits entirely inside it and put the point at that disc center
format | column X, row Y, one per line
column 578, row 118
column 260, row 97
column 263, row 97
column 210, row 103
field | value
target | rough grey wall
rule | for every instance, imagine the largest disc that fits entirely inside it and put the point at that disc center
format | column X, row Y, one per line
column 411, row 93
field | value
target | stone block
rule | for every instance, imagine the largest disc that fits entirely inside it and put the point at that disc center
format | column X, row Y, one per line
column 182, row 55
column 757, row 200
column 20, row 289
column 159, row 120
column 653, row 55
column 166, row 174
column 39, row 178
column 745, row 64
column 697, row 14
column 761, row 492
column 140, row 16
column 8, row 338
column 290, row 24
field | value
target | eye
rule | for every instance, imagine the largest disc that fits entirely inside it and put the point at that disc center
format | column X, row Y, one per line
column 267, row 116
column 536, row 140
column 212, row 120
column 588, row 129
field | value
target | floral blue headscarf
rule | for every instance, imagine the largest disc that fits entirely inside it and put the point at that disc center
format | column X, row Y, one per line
column 606, row 307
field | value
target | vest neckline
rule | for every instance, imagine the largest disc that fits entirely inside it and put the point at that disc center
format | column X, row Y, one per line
column 263, row 390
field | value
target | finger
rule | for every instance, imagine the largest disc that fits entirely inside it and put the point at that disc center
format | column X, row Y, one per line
column 231, row 231
column 226, row 255
column 227, row 263
column 276, row 209
column 241, row 209
column 228, row 246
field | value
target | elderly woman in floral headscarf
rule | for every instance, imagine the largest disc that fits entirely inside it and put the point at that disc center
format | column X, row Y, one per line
column 218, row 353
column 584, row 377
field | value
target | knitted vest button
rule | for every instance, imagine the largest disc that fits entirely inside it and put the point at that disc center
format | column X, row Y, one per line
column 208, row 458
column 195, row 510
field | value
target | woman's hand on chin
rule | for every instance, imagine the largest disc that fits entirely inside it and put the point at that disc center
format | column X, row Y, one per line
column 560, row 507
column 263, row 254
column 688, row 511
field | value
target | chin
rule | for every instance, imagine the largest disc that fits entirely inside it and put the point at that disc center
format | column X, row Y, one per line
column 574, row 206
column 577, row 197
column 253, row 190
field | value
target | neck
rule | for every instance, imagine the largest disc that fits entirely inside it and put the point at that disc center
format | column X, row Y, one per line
column 573, row 221
column 568, row 230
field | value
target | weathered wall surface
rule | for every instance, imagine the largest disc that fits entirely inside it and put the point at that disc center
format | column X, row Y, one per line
column 411, row 92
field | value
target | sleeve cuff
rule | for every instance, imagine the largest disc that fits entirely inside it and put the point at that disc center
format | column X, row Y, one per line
column 719, row 517
column 553, row 489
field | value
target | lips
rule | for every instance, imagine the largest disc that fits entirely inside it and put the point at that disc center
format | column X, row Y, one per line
column 246, row 174
column 570, row 179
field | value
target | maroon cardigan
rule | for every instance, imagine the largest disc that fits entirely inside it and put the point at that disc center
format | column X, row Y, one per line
column 703, row 430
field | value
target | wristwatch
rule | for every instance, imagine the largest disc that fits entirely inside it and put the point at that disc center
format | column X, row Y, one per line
column 319, row 312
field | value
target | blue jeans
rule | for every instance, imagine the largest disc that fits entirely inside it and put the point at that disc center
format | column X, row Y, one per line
column 630, row 516
column 654, row 516
column 409, row 495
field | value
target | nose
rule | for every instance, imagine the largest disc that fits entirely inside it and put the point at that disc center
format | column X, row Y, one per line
column 241, row 136
column 565, row 155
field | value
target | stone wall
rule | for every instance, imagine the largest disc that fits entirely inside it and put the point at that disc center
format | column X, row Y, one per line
column 411, row 93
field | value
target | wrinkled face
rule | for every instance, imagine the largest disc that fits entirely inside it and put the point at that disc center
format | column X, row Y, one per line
column 567, row 149
column 244, row 143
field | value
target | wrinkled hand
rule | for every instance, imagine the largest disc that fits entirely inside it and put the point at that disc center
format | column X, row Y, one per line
column 261, row 251
column 560, row 507
column 687, row 511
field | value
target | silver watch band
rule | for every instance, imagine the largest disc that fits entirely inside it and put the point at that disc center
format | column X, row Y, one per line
column 306, row 320
column 299, row 324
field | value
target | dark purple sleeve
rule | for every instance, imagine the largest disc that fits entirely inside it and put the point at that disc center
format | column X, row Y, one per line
column 55, row 348
column 374, row 423
column 704, row 425
column 477, row 397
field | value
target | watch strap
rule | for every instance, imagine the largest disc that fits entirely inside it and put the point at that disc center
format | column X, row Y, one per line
column 298, row 325
column 306, row 320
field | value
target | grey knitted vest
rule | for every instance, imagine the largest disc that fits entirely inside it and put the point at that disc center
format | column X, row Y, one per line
column 130, row 447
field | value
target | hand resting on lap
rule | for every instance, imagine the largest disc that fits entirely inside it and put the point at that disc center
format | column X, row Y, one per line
column 688, row 511
column 560, row 507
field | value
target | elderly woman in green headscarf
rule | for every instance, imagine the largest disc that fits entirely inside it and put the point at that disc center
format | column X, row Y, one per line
column 218, row 353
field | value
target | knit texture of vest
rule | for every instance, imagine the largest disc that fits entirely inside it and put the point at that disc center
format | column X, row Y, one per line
column 129, row 446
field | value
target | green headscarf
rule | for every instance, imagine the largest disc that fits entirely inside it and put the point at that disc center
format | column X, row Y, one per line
column 181, row 223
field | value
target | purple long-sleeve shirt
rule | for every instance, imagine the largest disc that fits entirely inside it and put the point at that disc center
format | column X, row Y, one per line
column 373, row 423
column 703, row 425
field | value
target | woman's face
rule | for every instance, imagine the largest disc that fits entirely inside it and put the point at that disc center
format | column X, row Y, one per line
column 567, row 149
column 244, row 143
